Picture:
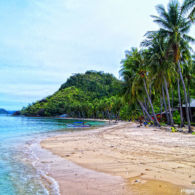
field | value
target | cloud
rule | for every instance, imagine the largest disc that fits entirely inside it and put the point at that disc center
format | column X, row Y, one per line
column 44, row 41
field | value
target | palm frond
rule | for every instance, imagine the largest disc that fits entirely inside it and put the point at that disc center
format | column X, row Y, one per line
column 187, row 5
column 161, row 22
column 188, row 38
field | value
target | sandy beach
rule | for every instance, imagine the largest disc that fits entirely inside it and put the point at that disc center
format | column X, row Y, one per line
column 122, row 159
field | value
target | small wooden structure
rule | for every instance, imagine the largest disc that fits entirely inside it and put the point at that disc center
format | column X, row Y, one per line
column 192, row 109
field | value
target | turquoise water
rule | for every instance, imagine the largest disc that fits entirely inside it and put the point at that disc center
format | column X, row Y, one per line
column 17, row 176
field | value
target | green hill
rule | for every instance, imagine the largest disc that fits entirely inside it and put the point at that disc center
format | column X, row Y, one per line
column 93, row 94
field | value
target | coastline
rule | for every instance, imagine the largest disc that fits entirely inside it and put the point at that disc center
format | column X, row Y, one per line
column 70, row 178
column 130, row 158
column 86, row 119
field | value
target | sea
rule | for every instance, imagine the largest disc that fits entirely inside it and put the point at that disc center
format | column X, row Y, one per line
column 18, row 176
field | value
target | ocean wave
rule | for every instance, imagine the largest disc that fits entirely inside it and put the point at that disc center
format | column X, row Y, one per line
column 49, row 184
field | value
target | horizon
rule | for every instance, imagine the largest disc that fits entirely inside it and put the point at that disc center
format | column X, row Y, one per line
column 45, row 42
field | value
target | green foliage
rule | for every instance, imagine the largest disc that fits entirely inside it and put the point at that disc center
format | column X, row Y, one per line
column 95, row 84
column 93, row 94
column 173, row 129
column 176, row 117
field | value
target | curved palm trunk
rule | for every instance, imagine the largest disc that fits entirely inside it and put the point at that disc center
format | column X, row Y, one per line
column 155, row 118
column 186, row 99
column 190, row 112
column 145, row 110
column 144, row 115
column 180, row 104
column 172, row 98
column 161, row 107
column 165, row 106
column 168, row 101
column 146, row 104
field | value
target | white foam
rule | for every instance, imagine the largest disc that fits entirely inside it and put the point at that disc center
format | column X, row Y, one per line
column 51, row 186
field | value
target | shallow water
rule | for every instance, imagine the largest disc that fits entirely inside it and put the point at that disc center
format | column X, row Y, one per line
column 17, row 174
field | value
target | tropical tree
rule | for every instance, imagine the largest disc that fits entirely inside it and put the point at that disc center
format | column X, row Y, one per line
column 134, row 73
column 161, row 69
column 174, row 27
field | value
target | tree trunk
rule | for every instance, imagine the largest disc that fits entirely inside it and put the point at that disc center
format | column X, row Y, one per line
column 145, row 110
column 189, row 100
column 180, row 104
column 186, row 99
column 83, row 115
column 108, row 115
column 154, row 115
column 146, row 105
column 144, row 115
column 117, row 114
column 161, row 107
column 172, row 98
column 165, row 106
column 168, row 101
column 150, row 91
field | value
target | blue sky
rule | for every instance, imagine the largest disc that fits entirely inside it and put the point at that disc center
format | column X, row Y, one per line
column 42, row 42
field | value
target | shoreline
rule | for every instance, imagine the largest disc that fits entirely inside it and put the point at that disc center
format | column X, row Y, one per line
column 86, row 119
column 69, row 118
column 121, row 152
column 66, row 173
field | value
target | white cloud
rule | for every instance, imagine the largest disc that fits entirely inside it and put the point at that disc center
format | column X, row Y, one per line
column 46, row 41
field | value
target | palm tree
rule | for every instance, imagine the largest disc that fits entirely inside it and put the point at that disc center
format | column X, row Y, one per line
column 134, row 74
column 137, row 92
column 187, row 67
column 161, row 68
column 174, row 27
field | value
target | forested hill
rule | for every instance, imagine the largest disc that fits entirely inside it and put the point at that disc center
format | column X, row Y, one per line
column 93, row 94
column 95, row 84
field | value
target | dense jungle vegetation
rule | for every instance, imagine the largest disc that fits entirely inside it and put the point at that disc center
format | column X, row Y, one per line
column 93, row 95
column 156, row 79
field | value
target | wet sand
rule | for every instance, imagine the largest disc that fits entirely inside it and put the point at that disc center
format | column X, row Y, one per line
column 122, row 159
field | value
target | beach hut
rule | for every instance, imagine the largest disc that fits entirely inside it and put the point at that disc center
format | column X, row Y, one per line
column 192, row 109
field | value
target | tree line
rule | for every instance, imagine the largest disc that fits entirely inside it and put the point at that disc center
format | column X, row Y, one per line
column 163, row 63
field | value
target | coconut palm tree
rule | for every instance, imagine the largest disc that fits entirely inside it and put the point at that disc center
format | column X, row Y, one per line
column 187, row 70
column 134, row 74
column 132, row 91
column 174, row 27
column 162, row 70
